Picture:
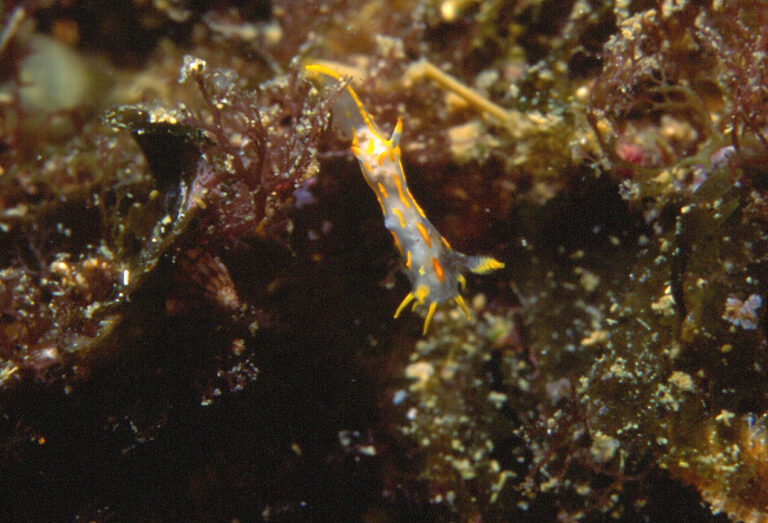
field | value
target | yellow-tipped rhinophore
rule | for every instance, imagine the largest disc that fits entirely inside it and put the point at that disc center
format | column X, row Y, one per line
column 486, row 264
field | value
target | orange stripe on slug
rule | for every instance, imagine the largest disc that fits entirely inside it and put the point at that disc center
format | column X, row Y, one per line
column 438, row 269
column 408, row 260
column 322, row 69
column 445, row 242
column 397, row 242
column 371, row 147
column 424, row 234
column 399, row 215
column 416, row 204
column 381, row 203
column 378, row 197
column 403, row 199
column 383, row 191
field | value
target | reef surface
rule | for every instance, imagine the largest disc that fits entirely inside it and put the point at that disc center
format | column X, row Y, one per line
column 197, row 288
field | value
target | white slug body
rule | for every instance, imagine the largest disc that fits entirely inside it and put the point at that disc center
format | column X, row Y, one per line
column 433, row 267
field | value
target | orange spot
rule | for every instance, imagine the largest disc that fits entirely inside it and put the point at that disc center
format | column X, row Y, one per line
column 408, row 260
column 399, row 215
column 438, row 269
column 445, row 242
column 367, row 167
column 424, row 234
column 371, row 146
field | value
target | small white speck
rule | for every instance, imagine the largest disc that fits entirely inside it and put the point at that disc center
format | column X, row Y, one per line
column 399, row 396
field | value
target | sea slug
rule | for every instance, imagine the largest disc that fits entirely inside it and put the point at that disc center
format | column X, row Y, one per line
column 433, row 267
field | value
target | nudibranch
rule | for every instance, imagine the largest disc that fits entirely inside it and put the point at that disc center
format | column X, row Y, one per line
column 433, row 267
